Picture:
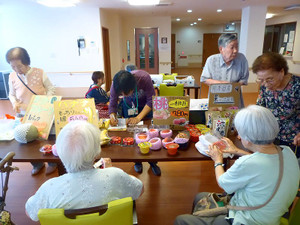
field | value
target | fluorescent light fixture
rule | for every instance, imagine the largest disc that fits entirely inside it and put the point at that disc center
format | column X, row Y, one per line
column 232, row 23
column 58, row 3
column 178, row 19
column 219, row 10
column 195, row 23
column 192, row 24
column 269, row 15
column 199, row 19
column 292, row 7
column 143, row 2
column 189, row 10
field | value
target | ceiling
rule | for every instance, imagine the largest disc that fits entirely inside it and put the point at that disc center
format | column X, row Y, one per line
column 205, row 9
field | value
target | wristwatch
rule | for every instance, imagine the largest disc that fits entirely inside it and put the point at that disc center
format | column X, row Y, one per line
column 219, row 164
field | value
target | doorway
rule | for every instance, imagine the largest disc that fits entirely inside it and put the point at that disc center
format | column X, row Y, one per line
column 106, row 58
column 210, row 46
column 173, row 50
column 146, row 55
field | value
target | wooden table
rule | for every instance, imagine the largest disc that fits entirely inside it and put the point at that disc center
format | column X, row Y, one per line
column 30, row 152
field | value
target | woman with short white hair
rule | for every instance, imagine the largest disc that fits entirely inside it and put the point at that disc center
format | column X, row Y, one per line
column 253, row 177
column 78, row 144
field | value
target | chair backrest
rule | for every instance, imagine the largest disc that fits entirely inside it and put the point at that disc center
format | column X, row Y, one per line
column 165, row 90
column 295, row 214
column 117, row 212
column 169, row 77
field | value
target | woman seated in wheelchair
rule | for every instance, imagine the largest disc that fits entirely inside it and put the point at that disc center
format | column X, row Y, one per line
column 253, row 177
column 78, row 144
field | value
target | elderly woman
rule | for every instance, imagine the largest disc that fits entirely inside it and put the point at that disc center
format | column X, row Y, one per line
column 24, row 82
column 252, row 177
column 280, row 93
column 78, row 145
column 137, row 89
column 229, row 66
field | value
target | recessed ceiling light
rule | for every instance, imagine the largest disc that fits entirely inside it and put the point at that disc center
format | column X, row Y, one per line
column 199, row 19
column 195, row 23
column 178, row 19
column 192, row 24
column 189, row 10
column 219, row 10
column 143, row 2
column 58, row 3
column 269, row 15
column 232, row 23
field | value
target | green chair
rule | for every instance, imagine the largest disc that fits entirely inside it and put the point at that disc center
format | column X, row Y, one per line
column 294, row 218
column 165, row 90
column 169, row 77
column 117, row 212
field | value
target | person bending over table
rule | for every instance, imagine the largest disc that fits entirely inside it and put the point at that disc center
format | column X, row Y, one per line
column 280, row 93
column 137, row 90
column 252, row 178
column 83, row 186
column 23, row 83
column 229, row 66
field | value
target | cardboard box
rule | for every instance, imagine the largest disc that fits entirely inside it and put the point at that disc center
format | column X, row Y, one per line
column 223, row 96
column 186, row 80
column 198, row 107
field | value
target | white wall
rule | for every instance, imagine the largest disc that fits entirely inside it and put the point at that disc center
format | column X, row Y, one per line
column 191, row 40
column 163, row 23
column 112, row 21
column 294, row 61
column 50, row 36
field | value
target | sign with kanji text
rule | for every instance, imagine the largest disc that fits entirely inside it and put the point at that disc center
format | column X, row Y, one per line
column 171, row 110
column 224, row 95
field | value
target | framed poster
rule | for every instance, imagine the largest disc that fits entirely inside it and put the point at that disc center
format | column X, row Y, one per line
column 40, row 112
column 76, row 109
column 171, row 110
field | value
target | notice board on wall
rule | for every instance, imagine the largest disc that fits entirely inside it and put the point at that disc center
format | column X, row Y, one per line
column 223, row 96
column 40, row 112
column 76, row 109
column 171, row 110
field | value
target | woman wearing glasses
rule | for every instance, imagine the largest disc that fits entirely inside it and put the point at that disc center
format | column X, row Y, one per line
column 280, row 92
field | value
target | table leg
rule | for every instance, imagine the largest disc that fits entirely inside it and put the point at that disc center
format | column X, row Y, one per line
column 196, row 93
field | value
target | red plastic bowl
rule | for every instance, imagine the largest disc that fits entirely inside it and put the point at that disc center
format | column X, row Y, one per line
column 172, row 148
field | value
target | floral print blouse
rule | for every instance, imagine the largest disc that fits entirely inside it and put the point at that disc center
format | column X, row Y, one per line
column 285, row 106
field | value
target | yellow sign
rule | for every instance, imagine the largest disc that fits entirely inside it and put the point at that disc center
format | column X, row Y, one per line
column 77, row 109
column 40, row 113
column 178, row 103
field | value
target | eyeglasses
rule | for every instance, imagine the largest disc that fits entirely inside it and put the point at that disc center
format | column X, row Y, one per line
column 268, row 81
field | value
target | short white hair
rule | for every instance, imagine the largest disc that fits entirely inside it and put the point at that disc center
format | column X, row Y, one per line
column 256, row 124
column 78, row 143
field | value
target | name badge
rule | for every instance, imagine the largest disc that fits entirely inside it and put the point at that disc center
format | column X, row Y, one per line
column 132, row 112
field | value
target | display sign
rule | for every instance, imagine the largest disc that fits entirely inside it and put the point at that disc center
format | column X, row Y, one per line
column 40, row 112
column 77, row 109
column 223, row 96
column 171, row 110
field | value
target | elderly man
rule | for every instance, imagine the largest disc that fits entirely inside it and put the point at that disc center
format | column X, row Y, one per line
column 227, row 67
